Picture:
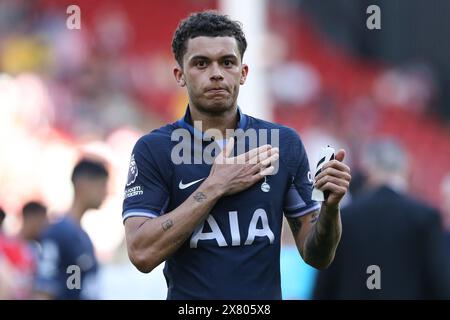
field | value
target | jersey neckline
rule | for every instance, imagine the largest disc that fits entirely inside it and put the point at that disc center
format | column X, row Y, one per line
column 186, row 122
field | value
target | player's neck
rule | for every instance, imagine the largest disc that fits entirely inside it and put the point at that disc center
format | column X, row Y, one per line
column 77, row 211
column 221, row 122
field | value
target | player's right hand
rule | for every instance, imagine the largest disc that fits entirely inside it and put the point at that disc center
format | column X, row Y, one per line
column 234, row 174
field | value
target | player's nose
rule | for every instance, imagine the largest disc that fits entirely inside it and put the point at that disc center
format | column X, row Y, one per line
column 216, row 72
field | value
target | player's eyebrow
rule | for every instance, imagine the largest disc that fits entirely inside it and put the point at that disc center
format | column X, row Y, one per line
column 229, row 56
column 200, row 57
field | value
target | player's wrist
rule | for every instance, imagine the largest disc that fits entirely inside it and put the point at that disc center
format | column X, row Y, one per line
column 331, row 210
column 212, row 188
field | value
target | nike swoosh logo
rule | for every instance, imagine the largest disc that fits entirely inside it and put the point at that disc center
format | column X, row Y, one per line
column 187, row 185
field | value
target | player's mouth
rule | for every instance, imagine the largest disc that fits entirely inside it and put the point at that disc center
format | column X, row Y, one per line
column 217, row 91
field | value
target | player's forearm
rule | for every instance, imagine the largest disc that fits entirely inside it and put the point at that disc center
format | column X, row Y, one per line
column 156, row 239
column 321, row 244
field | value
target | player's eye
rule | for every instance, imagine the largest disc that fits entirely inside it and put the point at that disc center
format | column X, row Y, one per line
column 200, row 63
column 227, row 63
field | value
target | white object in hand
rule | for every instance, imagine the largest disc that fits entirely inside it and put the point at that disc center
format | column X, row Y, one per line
column 327, row 155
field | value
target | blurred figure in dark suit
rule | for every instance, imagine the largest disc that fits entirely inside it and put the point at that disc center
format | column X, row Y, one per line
column 392, row 246
column 445, row 209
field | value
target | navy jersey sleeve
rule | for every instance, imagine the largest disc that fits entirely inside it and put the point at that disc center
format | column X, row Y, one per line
column 48, row 276
column 297, row 200
column 146, row 191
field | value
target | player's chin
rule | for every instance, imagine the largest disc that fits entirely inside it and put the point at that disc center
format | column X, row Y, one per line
column 218, row 105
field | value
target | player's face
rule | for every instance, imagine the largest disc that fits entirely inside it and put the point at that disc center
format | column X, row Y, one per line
column 212, row 72
column 97, row 192
column 35, row 225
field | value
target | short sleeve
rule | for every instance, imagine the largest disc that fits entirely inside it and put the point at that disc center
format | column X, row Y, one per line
column 146, row 191
column 297, row 200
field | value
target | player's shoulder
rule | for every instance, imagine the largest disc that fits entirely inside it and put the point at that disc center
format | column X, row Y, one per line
column 284, row 131
column 289, row 141
column 285, row 138
column 60, row 231
column 418, row 209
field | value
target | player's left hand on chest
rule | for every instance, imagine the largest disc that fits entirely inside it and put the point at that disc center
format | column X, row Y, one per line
column 334, row 179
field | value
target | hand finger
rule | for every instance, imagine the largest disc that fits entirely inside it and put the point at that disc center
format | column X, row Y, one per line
column 263, row 156
column 274, row 157
column 335, row 173
column 340, row 155
column 229, row 147
column 255, row 178
column 265, row 163
column 319, row 184
column 223, row 157
column 337, row 165
column 266, row 172
column 243, row 158
column 334, row 189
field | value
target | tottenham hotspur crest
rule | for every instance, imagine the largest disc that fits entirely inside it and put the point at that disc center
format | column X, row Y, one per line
column 132, row 172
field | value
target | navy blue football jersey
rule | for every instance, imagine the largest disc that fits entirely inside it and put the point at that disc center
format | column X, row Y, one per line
column 67, row 266
column 235, row 252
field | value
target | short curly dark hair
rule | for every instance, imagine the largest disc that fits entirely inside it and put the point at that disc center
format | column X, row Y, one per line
column 209, row 24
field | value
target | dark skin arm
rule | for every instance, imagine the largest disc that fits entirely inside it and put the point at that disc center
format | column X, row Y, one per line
column 152, row 241
column 317, row 234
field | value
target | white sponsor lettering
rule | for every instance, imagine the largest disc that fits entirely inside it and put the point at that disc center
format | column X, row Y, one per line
column 216, row 233
column 132, row 192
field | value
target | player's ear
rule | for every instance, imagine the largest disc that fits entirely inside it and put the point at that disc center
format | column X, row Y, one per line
column 244, row 73
column 179, row 75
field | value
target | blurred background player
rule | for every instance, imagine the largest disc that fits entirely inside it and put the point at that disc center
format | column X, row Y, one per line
column 66, row 245
column 34, row 221
column 17, row 266
column 4, row 274
column 387, row 228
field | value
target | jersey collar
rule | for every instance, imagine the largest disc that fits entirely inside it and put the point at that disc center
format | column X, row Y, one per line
column 186, row 122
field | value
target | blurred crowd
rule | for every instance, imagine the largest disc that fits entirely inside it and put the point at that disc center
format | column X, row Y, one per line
column 67, row 94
